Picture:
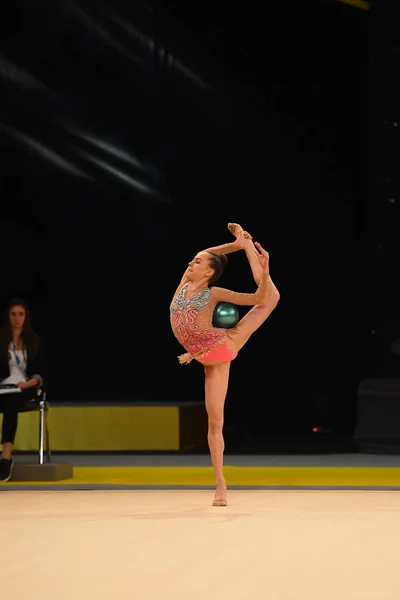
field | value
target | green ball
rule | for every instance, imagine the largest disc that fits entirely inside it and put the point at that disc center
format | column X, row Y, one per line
column 225, row 315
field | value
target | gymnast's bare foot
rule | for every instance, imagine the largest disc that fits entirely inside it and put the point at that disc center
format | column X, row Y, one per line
column 220, row 496
column 238, row 231
column 234, row 228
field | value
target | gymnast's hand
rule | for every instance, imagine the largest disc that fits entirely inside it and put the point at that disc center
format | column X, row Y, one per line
column 241, row 237
column 263, row 257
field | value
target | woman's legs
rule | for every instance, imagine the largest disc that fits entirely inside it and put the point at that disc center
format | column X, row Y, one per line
column 251, row 322
column 7, row 450
column 8, row 431
column 251, row 252
column 216, row 387
column 259, row 313
column 11, row 404
column 252, row 257
column 9, row 426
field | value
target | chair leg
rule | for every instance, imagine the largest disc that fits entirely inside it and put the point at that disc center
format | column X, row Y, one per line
column 46, row 427
column 41, row 432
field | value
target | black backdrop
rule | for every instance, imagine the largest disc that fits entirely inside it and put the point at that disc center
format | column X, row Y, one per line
column 383, row 207
column 130, row 136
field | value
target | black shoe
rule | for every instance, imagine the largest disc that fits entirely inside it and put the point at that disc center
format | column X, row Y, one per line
column 6, row 467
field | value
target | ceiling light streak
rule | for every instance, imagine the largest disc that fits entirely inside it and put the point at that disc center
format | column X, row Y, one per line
column 363, row 4
column 111, row 149
column 128, row 28
column 43, row 151
column 117, row 173
column 11, row 72
column 105, row 35
column 149, row 44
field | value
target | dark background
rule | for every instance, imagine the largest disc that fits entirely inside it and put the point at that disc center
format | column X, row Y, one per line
column 131, row 134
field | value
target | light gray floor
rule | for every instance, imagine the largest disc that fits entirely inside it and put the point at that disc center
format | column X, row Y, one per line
column 159, row 460
column 145, row 545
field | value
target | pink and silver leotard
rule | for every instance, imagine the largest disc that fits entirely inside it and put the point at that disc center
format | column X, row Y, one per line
column 191, row 321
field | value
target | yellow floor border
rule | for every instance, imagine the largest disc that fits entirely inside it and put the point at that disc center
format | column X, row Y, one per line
column 235, row 476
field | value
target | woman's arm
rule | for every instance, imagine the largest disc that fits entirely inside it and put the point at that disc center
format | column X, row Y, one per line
column 265, row 290
column 238, row 244
column 37, row 368
column 226, row 248
column 33, row 382
column 241, row 299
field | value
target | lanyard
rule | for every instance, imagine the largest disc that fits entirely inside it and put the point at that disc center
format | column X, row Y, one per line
column 22, row 366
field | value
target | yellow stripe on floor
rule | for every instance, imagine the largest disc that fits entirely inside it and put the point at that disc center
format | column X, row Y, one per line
column 235, row 476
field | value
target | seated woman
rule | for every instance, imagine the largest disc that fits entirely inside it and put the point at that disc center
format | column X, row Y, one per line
column 21, row 369
column 191, row 314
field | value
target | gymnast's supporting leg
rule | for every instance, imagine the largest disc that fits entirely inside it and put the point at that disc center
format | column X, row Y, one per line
column 216, row 387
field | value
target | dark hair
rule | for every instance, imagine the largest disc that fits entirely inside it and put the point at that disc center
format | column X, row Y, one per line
column 218, row 262
column 29, row 336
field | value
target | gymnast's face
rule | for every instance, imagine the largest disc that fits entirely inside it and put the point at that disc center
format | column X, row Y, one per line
column 17, row 317
column 199, row 268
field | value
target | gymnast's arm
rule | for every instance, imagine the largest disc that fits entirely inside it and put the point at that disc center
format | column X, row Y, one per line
column 265, row 291
column 261, row 296
column 223, row 249
column 227, row 248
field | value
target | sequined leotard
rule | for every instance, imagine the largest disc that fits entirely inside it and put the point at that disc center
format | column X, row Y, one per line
column 191, row 317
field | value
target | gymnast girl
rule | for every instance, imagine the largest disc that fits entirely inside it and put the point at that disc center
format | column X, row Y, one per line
column 191, row 315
